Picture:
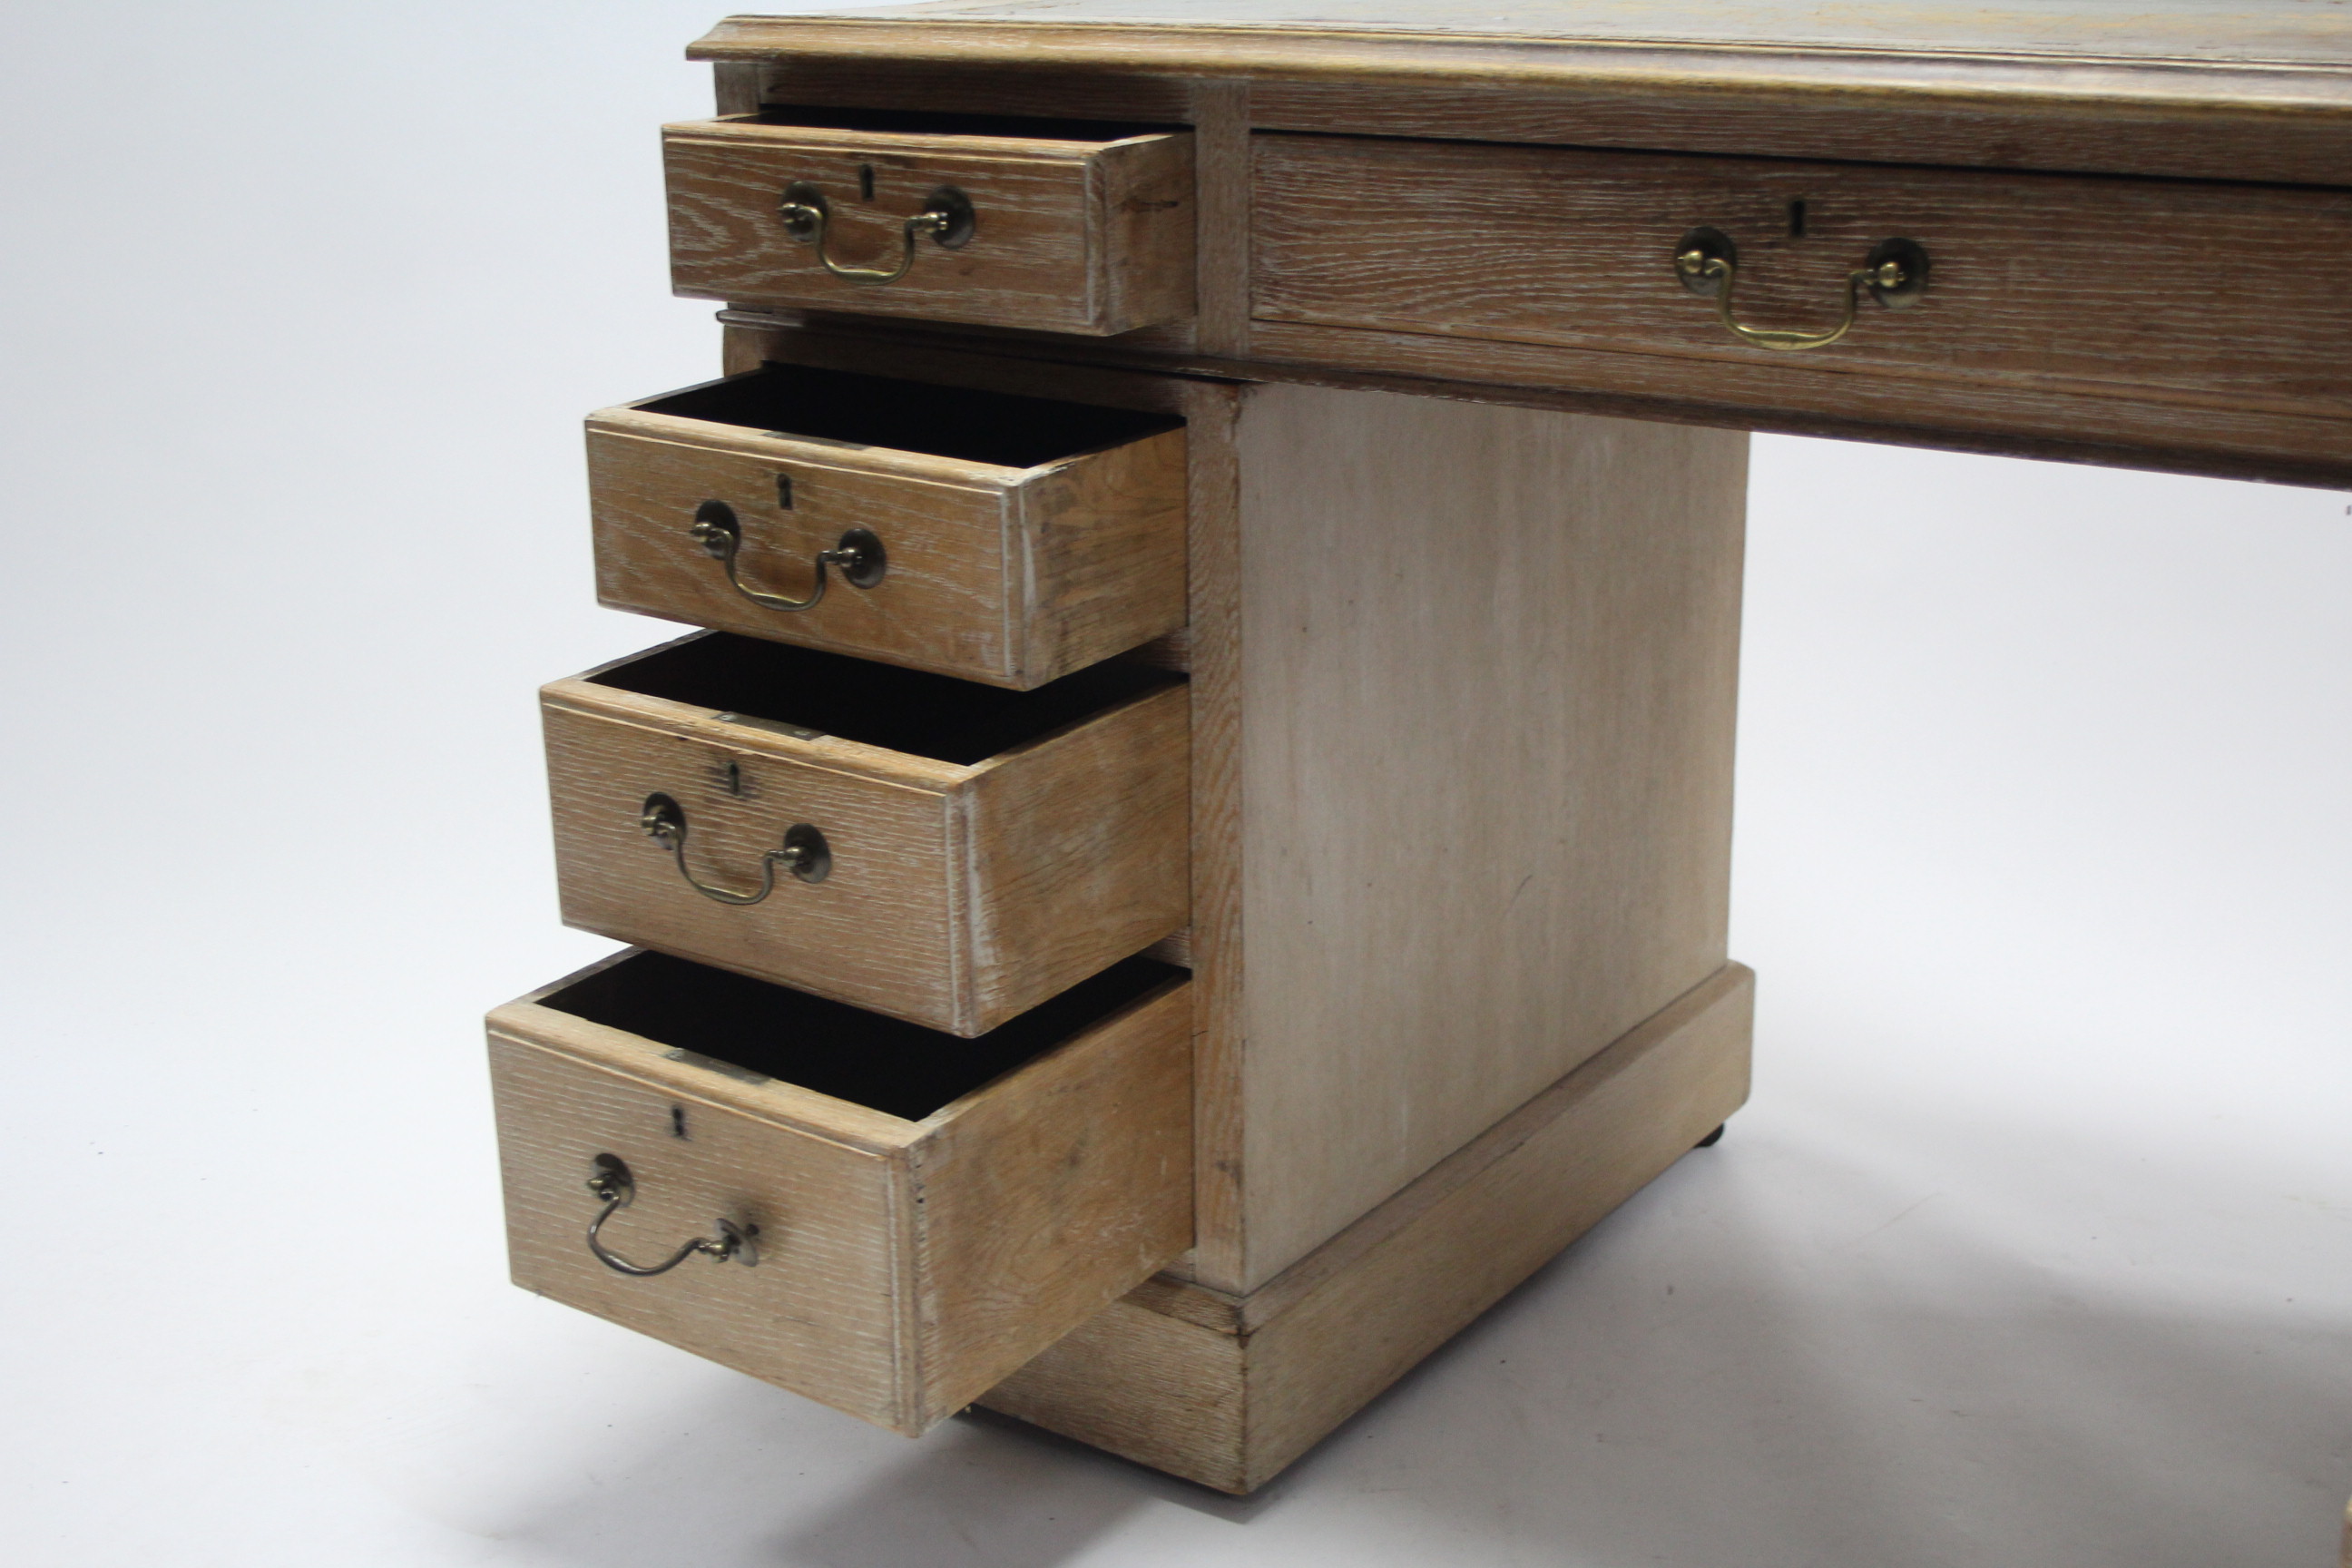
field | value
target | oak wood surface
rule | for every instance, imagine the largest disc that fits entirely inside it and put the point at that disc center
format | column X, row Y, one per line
column 1221, row 120
column 1653, row 103
column 2227, row 138
column 2177, row 291
column 904, row 1265
column 959, row 896
column 2001, row 421
column 1488, row 666
column 1073, row 236
column 2178, row 31
column 1210, row 648
column 1012, row 576
column 1995, row 416
column 2251, row 92
column 1228, row 1390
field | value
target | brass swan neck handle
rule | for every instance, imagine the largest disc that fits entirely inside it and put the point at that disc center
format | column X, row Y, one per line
column 947, row 217
column 858, row 556
column 1707, row 262
column 804, row 852
column 611, row 1181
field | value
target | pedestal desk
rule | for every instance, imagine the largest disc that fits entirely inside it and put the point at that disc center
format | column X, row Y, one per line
column 1194, row 854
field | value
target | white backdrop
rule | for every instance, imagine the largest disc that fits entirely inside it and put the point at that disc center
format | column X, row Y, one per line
column 2032, row 1248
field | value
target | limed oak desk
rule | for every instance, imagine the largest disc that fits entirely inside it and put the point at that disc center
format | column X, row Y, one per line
column 1244, row 506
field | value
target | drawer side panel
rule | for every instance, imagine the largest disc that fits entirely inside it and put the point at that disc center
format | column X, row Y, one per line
column 1078, row 852
column 1048, row 1195
column 1104, row 567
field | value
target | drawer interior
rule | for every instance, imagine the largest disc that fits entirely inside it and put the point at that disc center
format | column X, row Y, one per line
column 975, row 427
column 939, row 123
column 750, row 1029
column 933, row 716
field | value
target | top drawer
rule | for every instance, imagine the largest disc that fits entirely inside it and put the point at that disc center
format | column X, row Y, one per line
column 2195, row 294
column 1067, row 226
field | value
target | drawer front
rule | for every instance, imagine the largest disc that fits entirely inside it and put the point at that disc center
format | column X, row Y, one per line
column 1073, row 237
column 879, row 931
column 1009, row 577
column 954, row 897
column 899, row 1269
column 2183, row 291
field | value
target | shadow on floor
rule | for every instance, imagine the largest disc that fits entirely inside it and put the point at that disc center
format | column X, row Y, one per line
column 1768, row 1359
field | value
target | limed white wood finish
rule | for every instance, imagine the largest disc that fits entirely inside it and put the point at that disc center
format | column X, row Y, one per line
column 903, row 1265
column 1489, row 660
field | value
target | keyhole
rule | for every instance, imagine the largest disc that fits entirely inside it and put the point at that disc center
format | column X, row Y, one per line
column 865, row 182
column 732, row 780
column 678, row 1120
column 784, row 491
column 1797, row 220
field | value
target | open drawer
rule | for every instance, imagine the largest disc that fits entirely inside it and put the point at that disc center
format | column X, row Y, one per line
column 1005, row 539
column 1060, row 224
column 946, row 853
column 894, row 1220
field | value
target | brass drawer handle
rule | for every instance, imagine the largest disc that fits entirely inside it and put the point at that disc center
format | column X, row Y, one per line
column 1895, row 275
column 804, row 854
column 947, row 217
column 857, row 554
column 612, row 1184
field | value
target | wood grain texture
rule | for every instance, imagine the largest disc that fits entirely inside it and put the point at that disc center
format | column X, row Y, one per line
column 904, row 1265
column 2226, row 138
column 736, row 88
column 1488, row 674
column 1046, row 1197
column 1012, row 576
column 2257, row 92
column 1210, row 649
column 2006, row 421
column 2182, row 31
column 1227, row 1390
column 880, row 932
column 1548, row 1176
column 1221, row 134
column 2220, row 141
column 2002, row 417
column 959, row 895
column 2162, row 290
column 1073, row 236
column 1096, row 566
column 1073, row 849
column 1143, row 1386
column 1143, row 213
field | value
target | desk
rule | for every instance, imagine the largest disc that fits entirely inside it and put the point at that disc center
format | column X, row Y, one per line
column 1467, row 312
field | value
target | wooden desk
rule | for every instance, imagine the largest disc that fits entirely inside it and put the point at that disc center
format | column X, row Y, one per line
column 1466, row 311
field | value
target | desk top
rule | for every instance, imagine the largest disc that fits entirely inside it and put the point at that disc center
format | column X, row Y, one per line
column 2293, row 31
column 2285, row 54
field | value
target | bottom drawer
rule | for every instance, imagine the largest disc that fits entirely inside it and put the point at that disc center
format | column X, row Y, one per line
column 893, row 1218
